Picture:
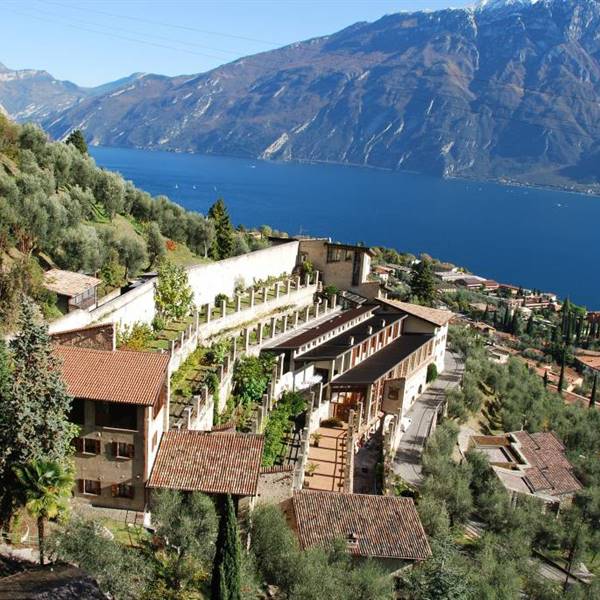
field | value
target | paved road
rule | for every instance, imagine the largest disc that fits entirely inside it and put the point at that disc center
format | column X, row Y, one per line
column 407, row 462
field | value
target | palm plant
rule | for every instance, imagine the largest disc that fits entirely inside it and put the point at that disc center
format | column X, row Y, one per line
column 45, row 490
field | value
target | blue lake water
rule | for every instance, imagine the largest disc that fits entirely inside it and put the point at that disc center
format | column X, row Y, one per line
column 530, row 237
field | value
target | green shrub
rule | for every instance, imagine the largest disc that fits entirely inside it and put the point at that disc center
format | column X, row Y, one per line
column 432, row 372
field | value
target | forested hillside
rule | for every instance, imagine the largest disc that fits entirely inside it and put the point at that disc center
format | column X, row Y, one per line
column 57, row 207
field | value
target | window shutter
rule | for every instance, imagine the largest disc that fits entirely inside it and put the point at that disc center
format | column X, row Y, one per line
column 80, row 485
column 98, row 447
column 115, row 490
column 79, row 444
column 130, row 450
column 114, row 448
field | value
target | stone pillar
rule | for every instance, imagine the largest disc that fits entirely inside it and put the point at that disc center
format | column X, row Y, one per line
column 296, row 317
column 234, row 349
column 172, row 347
column 260, row 333
column 247, row 339
column 265, row 294
column 317, row 309
column 277, row 286
column 326, row 306
column 281, row 364
column 307, row 313
column 238, row 303
column 252, row 294
column 182, row 338
column 223, row 308
column 285, row 323
column 316, row 277
column 288, row 287
column 208, row 311
column 298, row 282
column 334, row 301
column 196, row 319
column 273, row 326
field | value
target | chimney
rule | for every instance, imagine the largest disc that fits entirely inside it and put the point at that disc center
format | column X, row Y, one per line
column 370, row 330
column 351, row 341
column 382, row 323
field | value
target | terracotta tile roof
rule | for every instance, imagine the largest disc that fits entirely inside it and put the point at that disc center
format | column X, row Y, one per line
column 213, row 463
column 113, row 376
column 550, row 471
column 592, row 362
column 432, row 315
column 68, row 283
column 375, row 526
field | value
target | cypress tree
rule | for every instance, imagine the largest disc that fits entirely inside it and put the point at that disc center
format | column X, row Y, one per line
column 546, row 378
column 561, row 379
column 515, row 325
column 530, row 325
column 226, row 583
column 507, row 319
column 593, row 394
column 222, row 246
column 486, row 314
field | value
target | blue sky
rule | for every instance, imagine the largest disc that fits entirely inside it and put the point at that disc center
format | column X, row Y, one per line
column 94, row 41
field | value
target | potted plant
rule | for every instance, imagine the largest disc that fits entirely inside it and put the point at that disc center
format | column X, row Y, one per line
column 316, row 437
column 311, row 469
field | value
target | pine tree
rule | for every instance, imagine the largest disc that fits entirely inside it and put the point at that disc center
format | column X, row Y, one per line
column 422, row 282
column 226, row 583
column 222, row 246
column 44, row 430
column 76, row 139
column 34, row 410
column 593, row 394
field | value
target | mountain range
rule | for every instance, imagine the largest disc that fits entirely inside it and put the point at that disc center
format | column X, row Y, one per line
column 508, row 90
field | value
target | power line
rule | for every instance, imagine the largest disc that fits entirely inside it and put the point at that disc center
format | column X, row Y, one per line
column 113, row 35
column 172, row 25
column 146, row 35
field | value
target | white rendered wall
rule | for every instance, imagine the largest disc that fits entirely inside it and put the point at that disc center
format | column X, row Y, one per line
column 206, row 281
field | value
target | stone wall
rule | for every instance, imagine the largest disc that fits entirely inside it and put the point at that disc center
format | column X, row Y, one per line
column 97, row 337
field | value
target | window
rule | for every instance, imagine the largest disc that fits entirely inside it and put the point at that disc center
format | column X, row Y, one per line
column 123, row 450
column 87, row 445
column 77, row 414
column 90, row 487
column 116, row 415
column 334, row 254
column 122, row 490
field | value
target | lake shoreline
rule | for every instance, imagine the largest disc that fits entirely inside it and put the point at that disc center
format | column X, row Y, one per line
column 537, row 238
column 300, row 161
